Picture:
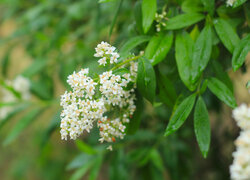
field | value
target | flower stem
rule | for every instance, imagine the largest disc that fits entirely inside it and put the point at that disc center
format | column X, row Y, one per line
column 125, row 62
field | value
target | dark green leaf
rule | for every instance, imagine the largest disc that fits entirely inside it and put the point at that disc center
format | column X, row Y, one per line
column 222, row 74
column 158, row 47
column 202, row 52
column 149, row 8
column 226, row 34
column 21, row 125
column 190, row 6
column 202, row 126
column 183, row 20
column 156, row 159
column 5, row 63
column 180, row 115
column 167, row 92
column 240, row 52
column 146, row 82
column 183, row 55
column 222, row 92
column 209, row 6
column 135, row 121
column 132, row 43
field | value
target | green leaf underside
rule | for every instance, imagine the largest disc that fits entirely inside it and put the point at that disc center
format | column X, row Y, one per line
column 146, row 81
column 202, row 126
column 180, row 114
column 183, row 55
column 238, row 3
column 202, row 52
column 149, row 8
column 158, row 47
column 183, row 20
column 226, row 34
column 222, row 92
column 240, row 52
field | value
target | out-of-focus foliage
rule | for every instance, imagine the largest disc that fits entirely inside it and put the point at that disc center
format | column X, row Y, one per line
column 202, row 39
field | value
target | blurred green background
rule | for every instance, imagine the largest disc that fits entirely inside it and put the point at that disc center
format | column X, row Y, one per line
column 45, row 41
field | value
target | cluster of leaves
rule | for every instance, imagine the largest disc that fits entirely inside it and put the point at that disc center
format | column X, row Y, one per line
column 182, row 67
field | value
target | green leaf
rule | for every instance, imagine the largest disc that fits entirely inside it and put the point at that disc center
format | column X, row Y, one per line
column 135, row 121
column 180, row 115
column 79, row 173
column 132, row 43
column 238, row 3
column 202, row 126
column 5, row 63
column 21, row 125
column 84, row 147
column 15, row 111
column 34, row 68
column 120, row 71
column 149, row 8
column 158, row 47
column 80, row 160
column 240, row 52
column 194, row 34
column 54, row 123
column 222, row 92
column 146, row 82
column 156, row 159
column 115, row 17
column 226, row 34
column 209, row 6
column 183, row 20
column 167, row 92
column 190, row 6
column 222, row 74
column 105, row 1
column 183, row 55
column 202, row 52
column 138, row 16
column 93, row 174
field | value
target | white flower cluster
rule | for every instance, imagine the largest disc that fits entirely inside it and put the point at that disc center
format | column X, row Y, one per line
column 240, row 169
column 107, row 53
column 231, row 2
column 21, row 85
column 160, row 19
column 108, row 101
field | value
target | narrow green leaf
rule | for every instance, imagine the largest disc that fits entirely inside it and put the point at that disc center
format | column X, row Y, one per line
column 194, row 34
column 84, row 147
column 156, row 159
column 115, row 17
column 34, row 68
column 226, row 34
column 120, row 71
column 105, row 1
column 135, row 121
column 190, row 6
column 149, row 8
column 180, row 114
column 183, row 20
column 209, row 6
column 183, row 56
column 80, row 160
column 21, row 124
column 79, row 173
column 132, row 43
column 15, row 111
column 167, row 92
column 93, row 174
column 222, row 92
column 138, row 16
column 158, row 47
column 240, row 52
column 222, row 74
column 202, row 52
column 5, row 63
column 146, row 82
column 238, row 3
column 202, row 126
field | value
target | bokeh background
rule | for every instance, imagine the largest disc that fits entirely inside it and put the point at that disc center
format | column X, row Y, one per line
column 45, row 41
